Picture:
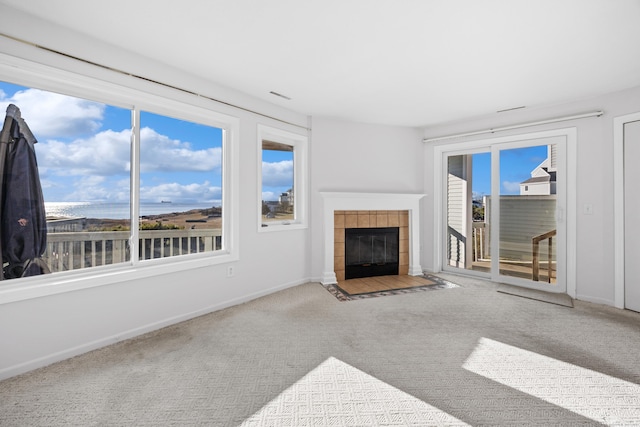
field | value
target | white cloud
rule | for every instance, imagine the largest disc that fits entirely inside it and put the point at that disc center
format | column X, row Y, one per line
column 95, row 188
column 104, row 154
column 161, row 153
column 50, row 114
column 93, row 180
column 55, row 118
column 108, row 153
column 511, row 186
column 78, row 160
column 186, row 193
column 277, row 173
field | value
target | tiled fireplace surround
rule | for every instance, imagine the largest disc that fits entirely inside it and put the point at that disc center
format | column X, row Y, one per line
column 368, row 210
column 369, row 219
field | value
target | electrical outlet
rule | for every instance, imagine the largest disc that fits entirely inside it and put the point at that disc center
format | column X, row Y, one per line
column 230, row 271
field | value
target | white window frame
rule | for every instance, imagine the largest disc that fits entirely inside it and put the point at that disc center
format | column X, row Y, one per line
column 300, row 173
column 110, row 88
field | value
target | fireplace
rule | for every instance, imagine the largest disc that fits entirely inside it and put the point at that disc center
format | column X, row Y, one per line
column 371, row 252
column 342, row 211
column 373, row 223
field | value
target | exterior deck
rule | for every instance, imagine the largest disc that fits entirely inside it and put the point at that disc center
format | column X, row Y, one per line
column 76, row 250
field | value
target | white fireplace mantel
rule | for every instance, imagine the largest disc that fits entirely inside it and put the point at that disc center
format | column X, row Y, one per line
column 339, row 201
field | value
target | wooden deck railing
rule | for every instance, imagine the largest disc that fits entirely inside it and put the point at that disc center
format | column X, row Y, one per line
column 75, row 250
column 536, row 254
column 481, row 249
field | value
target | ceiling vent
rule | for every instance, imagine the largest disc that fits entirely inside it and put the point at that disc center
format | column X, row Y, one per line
column 280, row 95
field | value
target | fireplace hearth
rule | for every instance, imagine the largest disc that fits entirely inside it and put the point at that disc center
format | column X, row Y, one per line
column 371, row 252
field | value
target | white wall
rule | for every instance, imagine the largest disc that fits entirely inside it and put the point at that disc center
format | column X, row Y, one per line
column 37, row 331
column 594, row 181
column 356, row 157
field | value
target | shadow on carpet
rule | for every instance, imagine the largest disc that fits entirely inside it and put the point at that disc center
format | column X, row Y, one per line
column 438, row 284
column 549, row 297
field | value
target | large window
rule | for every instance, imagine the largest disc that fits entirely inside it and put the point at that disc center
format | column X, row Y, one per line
column 180, row 187
column 282, row 171
column 113, row 192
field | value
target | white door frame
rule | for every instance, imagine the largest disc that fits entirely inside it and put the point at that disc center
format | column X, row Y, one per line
column 618, row 204
column 440, row 150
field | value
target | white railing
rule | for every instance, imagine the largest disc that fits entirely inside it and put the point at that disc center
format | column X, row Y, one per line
column 75, row 250
column 480, row 241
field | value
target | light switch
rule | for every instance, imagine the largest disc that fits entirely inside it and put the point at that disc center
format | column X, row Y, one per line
column 588, row 209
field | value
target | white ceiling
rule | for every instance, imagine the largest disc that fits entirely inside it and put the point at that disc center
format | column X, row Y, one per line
column 399, row 62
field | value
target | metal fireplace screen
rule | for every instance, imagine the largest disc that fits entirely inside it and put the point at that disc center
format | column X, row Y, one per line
column 371, row 252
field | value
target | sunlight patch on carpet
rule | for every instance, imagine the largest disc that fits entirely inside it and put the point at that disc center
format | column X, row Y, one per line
column 602, row 398
column 337, row 394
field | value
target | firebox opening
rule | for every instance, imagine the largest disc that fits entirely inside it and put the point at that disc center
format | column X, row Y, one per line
column 371, row 252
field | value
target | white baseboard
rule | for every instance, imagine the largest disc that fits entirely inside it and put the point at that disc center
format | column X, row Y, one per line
column 40, row 362
column 595, row 300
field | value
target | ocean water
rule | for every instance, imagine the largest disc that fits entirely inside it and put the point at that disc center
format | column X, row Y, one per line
column 114, row 210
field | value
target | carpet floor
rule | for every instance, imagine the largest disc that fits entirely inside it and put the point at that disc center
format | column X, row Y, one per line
column 464, row 355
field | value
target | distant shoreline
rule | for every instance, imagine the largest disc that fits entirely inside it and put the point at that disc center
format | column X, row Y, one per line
column 113, row 210
column 194, row 218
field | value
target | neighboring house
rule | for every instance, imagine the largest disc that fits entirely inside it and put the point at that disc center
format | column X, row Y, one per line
column 543, row 177
column 286, row 197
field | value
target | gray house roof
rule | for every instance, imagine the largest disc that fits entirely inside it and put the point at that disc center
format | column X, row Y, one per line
column 549, row 178
column 537, row 179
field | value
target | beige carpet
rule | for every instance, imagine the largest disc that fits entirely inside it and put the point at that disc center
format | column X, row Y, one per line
column 454, row 356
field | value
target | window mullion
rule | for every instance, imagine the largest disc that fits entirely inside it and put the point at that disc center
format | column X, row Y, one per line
column 135, row 186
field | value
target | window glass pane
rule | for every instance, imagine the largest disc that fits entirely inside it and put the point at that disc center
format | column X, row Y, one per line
column 277, row 183
column 83, row 170
column 528, row 213
column 468, row 191
column 180, row 187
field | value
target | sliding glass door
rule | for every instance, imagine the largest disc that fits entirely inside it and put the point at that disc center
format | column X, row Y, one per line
column 468, row 191
column 504, row 206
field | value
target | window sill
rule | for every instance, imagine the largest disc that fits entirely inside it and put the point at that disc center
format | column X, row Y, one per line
column 266, row 228
column 58, row 283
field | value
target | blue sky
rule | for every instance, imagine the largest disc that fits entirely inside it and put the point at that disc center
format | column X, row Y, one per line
column 515, row 166
column 277, row 173
column 83, row 152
